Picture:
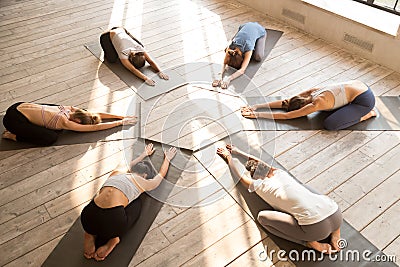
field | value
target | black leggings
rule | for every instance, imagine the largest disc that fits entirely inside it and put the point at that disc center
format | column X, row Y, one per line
column 15, row 122
column 110, row 54
column 351, row 114
column 109, row 223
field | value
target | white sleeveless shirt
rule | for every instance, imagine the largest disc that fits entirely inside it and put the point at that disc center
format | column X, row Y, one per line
column 338, row 91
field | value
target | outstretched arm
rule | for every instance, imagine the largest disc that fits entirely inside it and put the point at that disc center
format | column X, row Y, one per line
column 239, row 72
column 105, row 116
column 304, row 111
column 271, row 105
column 121, row 167
column 244, row 179
column 73, row 126
column 218, row 82
column 127, row 64
column 148, row 185
column 236, row 151
column 223, row 71
column 148, row 150
column 154, row 65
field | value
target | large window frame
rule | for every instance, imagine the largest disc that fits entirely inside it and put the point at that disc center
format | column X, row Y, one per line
column 388, row 9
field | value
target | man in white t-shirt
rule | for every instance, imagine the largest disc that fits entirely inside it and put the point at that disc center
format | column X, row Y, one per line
column 299, row 214
column 133, row 55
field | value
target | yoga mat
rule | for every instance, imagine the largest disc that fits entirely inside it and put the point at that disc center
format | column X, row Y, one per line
column 138, row 85
column 273, row 37
column 255, row 204
column 207, row 72
column 388, row 117
column 243, row 83
column 71, row 137
column 69, row 251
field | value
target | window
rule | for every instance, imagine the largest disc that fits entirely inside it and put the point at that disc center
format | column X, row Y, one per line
column 392, row 6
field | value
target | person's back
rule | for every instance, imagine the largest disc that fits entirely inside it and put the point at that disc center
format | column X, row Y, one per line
column 284, row 193
column 247, row 36
column 124, row 44
column 44, row 115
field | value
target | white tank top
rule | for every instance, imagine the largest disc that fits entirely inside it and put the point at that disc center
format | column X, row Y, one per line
column 124, row 44
column 284, row 193
column 338, row 92
column 123, row 183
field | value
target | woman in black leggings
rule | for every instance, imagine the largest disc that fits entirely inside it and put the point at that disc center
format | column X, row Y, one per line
column 41, row 124
column 116, row 207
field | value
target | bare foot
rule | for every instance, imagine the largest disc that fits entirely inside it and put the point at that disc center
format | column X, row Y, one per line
column 335, row 238
column 321, row 247
column 225, row 154
column 89, row 246
column 370, row 114
column 9, row 135
column 103, row 251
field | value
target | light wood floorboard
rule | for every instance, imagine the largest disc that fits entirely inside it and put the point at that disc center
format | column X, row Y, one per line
column 43, row 190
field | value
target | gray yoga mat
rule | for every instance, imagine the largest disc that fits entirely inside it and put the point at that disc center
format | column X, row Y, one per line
column 255, row 204
column 71, row 137
column 139, row 86
column 69, row 251
column 388, row 117
column 243, row 83
column 273, row 37
column 207, row 72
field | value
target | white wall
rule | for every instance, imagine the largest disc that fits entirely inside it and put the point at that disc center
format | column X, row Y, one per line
column 332, row 27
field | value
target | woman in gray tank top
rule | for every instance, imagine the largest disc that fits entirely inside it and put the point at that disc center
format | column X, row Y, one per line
column 350, row 102
column 116, row 207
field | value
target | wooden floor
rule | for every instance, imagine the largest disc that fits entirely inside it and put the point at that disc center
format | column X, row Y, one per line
column 42, row 190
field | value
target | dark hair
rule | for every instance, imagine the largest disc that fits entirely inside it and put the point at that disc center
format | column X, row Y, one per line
column 144, row 167
column 257, row 168
column 297, row 102
column 85, row 117
column 233, row 57
column 138, row 59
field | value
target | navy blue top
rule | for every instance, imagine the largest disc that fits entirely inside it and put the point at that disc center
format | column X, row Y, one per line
column 245, row 39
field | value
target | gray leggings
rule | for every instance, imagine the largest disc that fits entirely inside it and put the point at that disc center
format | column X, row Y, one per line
column 259, row 48
column 286, row 226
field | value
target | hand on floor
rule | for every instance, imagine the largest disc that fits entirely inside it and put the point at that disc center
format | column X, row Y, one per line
column 150, row 82
column 163, row 76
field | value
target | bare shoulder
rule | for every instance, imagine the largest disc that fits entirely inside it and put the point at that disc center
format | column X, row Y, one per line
column 319, row 102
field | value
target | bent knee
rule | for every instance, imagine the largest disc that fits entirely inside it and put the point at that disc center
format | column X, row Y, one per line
column 48, row 141
column 262, row 218
column 332, row 125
